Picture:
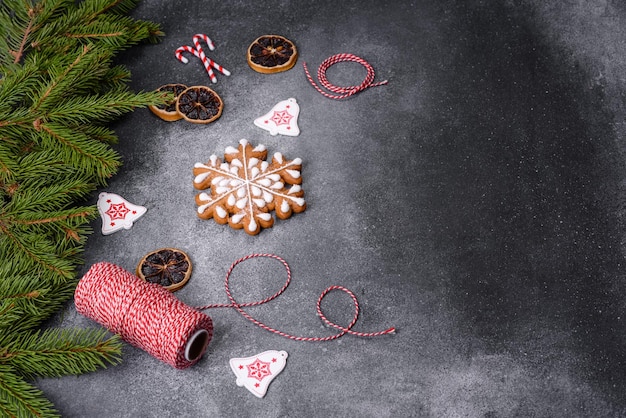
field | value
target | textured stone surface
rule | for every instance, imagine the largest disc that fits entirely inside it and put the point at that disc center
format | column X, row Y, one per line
column 476, row 202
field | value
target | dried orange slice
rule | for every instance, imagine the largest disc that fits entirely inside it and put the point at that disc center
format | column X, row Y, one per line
column 168, row 111
column 199, row 104
column 169, row 267
column 272, row 54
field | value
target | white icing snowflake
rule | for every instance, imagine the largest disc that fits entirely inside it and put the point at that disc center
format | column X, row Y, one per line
column 245, row 188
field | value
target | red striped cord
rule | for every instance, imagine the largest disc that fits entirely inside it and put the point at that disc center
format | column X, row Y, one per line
column 239, row 306
column 341, row 92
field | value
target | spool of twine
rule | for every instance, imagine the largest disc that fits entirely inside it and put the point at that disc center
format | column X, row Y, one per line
column 143, row 314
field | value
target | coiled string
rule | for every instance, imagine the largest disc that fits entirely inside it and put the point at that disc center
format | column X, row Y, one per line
column 239, row 306
column 341, row 92
column 153, row 319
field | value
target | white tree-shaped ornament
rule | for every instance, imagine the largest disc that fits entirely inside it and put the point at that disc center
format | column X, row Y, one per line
column 245, row 189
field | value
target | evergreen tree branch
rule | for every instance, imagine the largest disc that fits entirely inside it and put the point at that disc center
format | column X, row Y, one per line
column 16, row 82
column 20, row 399
column 40, row 234
column 101, row 108
column 59, row 352
column 57, row 81
column 98, row 133
column 46, row 219
column 58, row 88
column 18, row 54
column 37, row 255
column 27, row 301
column 94, row 35
column 108, row 5
column 52, row 195
column 77, row 150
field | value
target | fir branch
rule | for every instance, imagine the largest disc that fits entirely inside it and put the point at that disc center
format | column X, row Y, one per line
column 98, row 133
column 40, row 169
column 77, row 150
column 102, row 6
column 31, row 252
column 101, row 108
column 18, row 54
column 55, row 82
column 61, row 226
column 37, row 231
column 15, row 306
column 20, row 399
column 58, row 88
column 27, row 301
column 140, row 30
column 28, row 19
column 44, row 219
column 68, row 228
column 59, row 352
column 17, row 82
column 95, row 35
column 52, row 195
column 116, row 78
column 92, row 22
column 8, row 163
column 46, row 244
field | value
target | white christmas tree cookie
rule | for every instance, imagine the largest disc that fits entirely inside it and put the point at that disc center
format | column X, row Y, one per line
column 245, row 188
column 257, row 372
column 117, row 213
column 282, row 119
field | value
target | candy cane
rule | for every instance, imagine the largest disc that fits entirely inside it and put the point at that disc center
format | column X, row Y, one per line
column 179, row 53
column 208, row 63
column 206, row 39
column 199, row 54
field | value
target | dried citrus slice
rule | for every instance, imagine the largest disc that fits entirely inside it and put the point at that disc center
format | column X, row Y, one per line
column 199, row 104
column 169, row 267
column 168, row 111
column 272, row 54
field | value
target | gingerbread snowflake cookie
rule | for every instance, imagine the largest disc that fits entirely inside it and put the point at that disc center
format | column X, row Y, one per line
column 245, row 188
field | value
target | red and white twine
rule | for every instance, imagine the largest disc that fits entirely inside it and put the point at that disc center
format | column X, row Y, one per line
column 239, row 306
column 340, row 91
column 197, row 51
column 143, row 314
column 151, row 318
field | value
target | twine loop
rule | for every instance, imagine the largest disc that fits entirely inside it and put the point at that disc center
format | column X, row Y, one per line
column 342, row 92
column 239, row 306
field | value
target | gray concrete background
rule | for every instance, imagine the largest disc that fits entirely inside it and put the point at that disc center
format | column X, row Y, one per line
column 476, row 203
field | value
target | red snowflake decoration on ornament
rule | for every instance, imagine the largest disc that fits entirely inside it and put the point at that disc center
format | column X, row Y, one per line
column 259, row 369
column 117, row 211
column 281, row 118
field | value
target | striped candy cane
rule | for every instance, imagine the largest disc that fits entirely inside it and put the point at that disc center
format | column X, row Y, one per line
column 208, row 63
column 198, row 54
column 206, row 39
